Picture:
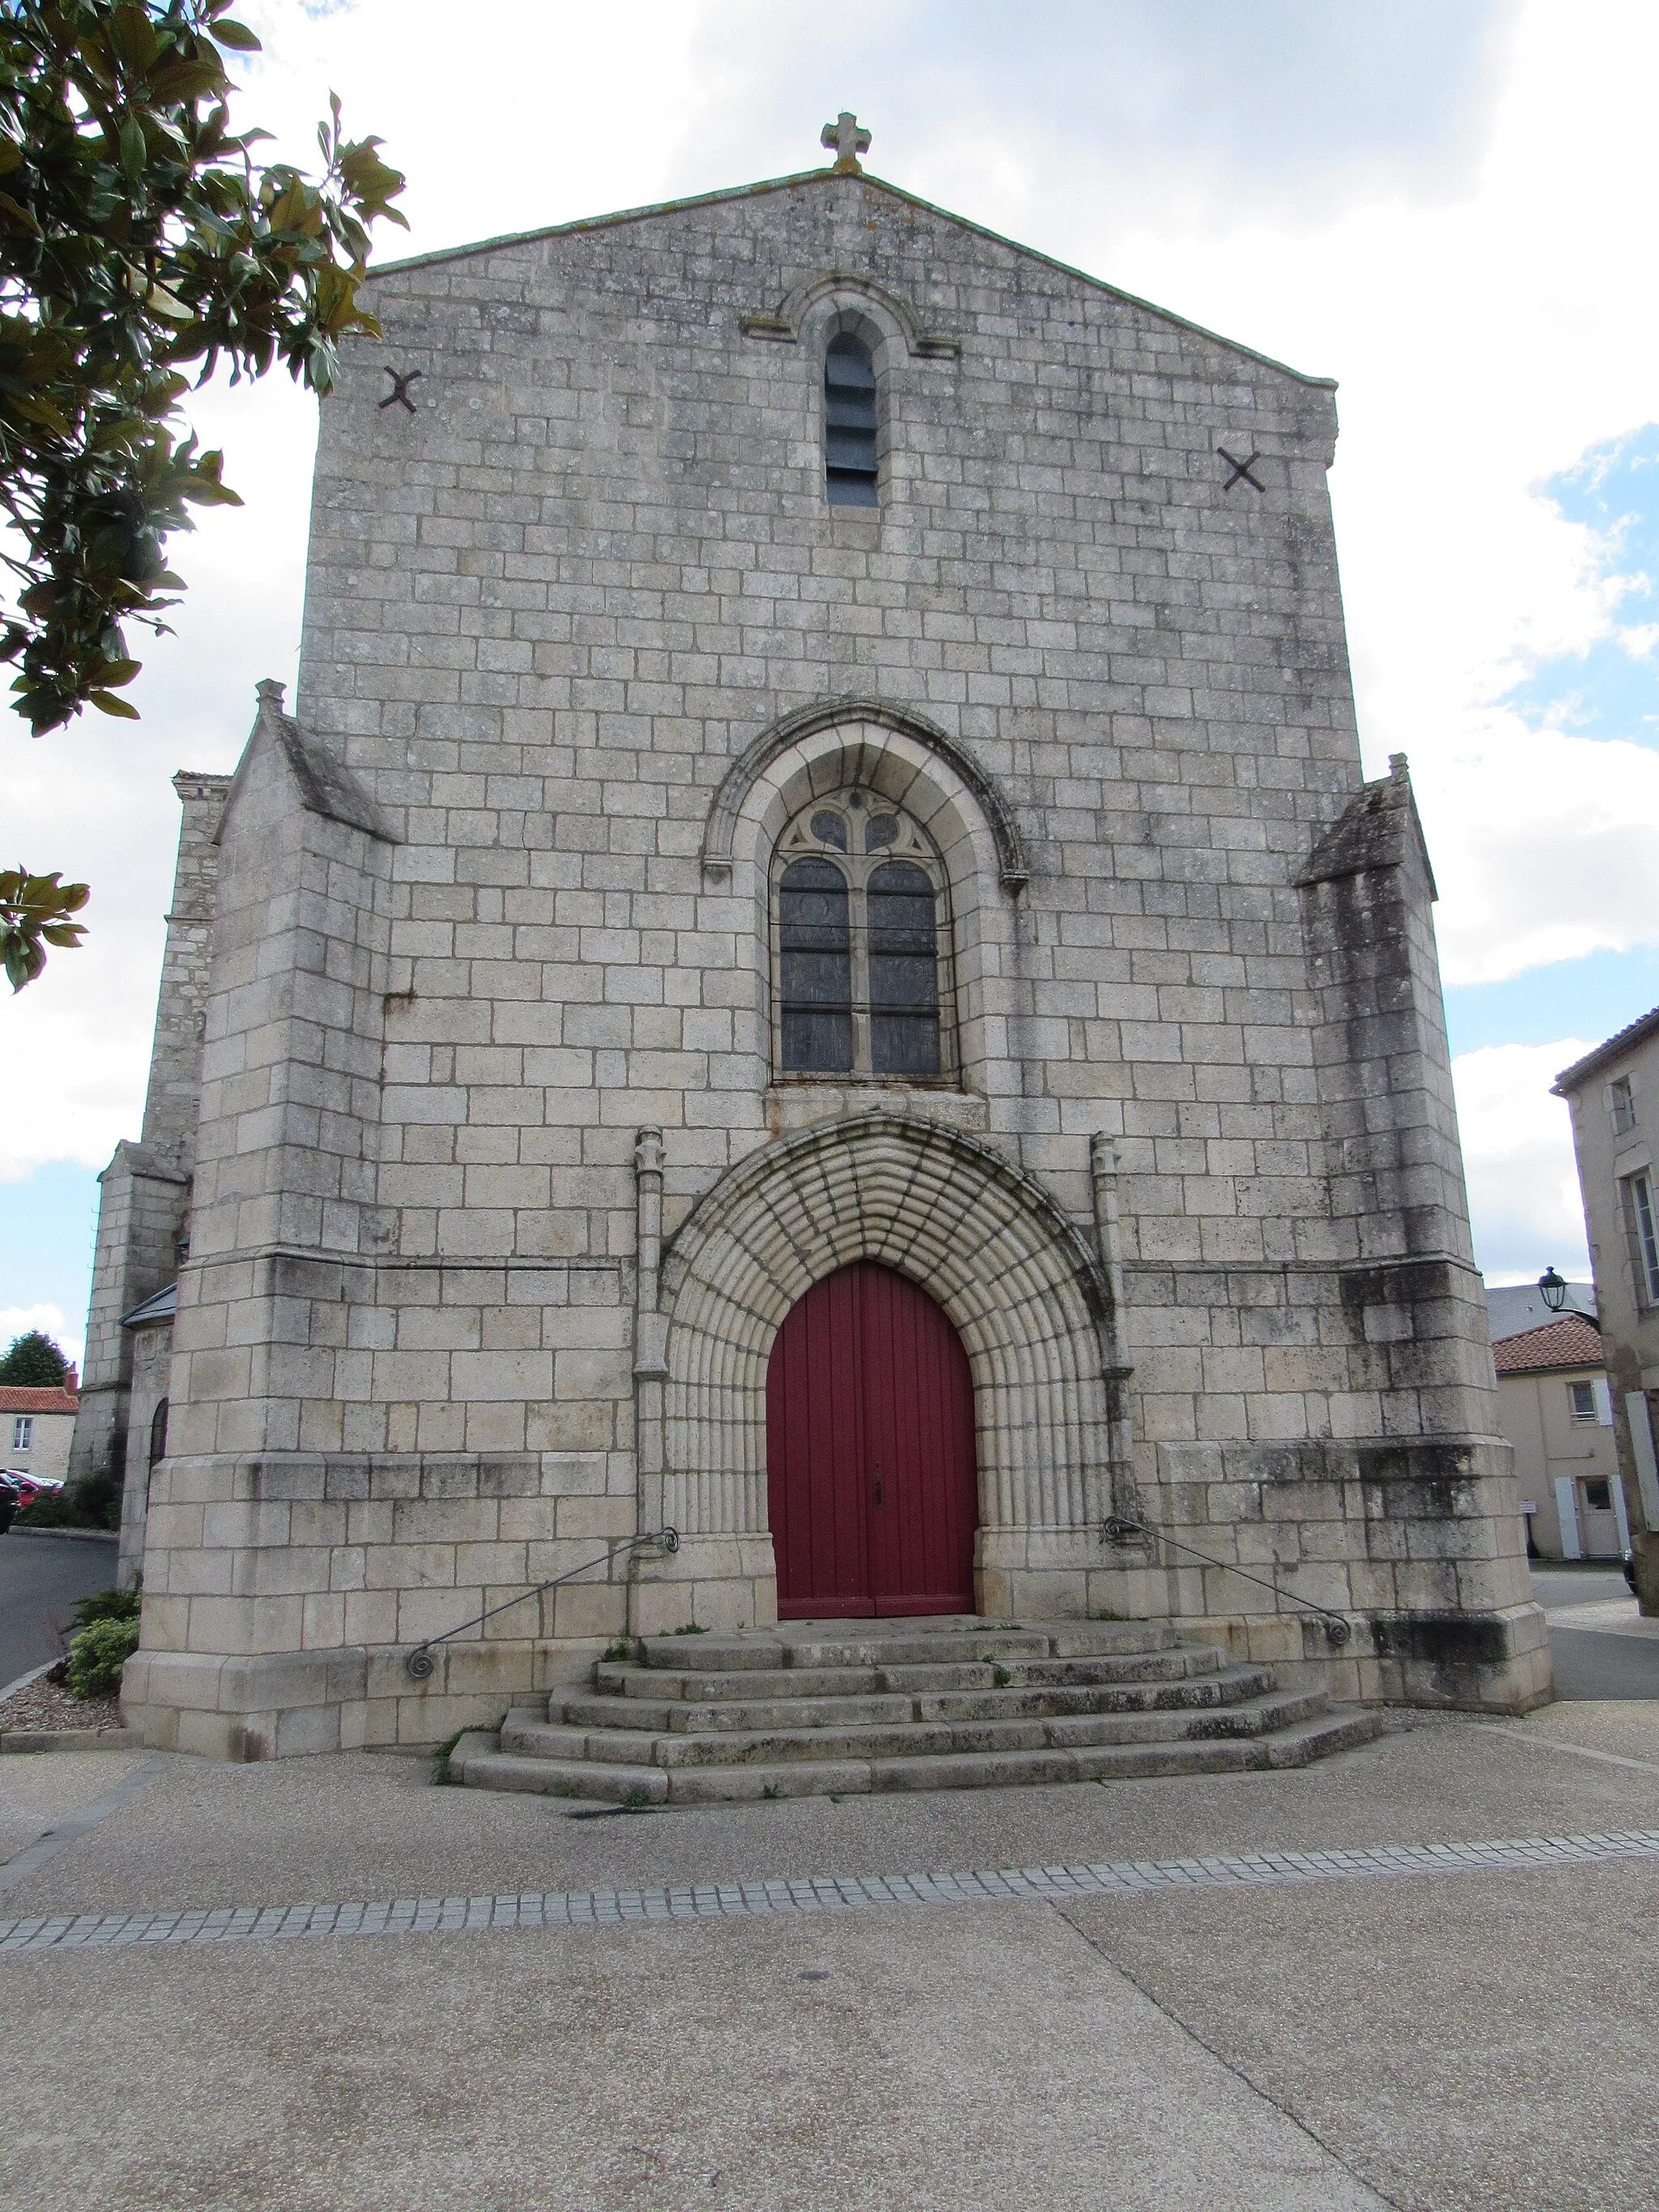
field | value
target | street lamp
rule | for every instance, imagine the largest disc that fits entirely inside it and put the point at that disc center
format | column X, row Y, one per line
column 1553, row 1289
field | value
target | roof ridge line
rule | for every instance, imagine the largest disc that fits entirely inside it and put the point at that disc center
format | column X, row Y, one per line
column 828, row 176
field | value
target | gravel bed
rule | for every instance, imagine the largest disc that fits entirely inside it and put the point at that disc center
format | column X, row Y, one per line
column 41, row 1704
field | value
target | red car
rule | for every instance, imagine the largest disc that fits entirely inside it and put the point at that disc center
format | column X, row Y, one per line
column 26, row 1488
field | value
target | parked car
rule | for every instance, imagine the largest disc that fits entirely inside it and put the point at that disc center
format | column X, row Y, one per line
column 26, row 1488
column 11, row 1502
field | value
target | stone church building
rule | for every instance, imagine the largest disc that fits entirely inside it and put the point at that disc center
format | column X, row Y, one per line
column 810, row 1005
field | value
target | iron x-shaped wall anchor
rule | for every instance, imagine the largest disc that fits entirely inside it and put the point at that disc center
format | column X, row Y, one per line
column 400, row 388
column 1241, row 469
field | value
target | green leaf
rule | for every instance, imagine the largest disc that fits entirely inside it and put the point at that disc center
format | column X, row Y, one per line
column 231, row 34
column 107, row 703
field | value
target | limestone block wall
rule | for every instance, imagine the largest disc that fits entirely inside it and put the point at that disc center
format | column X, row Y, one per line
column 144, row 1194
column 142, row 1199
column 579, row 632
column 151, row 1378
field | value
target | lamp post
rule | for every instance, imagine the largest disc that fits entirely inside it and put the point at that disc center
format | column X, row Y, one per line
column 1553, row 1289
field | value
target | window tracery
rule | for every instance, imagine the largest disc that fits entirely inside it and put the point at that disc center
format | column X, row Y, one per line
column 862, row 981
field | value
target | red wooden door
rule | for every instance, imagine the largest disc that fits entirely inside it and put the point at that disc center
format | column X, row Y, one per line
column 870, row 1477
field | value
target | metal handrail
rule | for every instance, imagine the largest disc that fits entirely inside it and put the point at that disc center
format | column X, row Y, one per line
column 1338, row 1629
column 420, row 1663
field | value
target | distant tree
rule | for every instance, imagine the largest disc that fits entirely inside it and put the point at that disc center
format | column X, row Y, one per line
column 33, row 1363
column 139, row 239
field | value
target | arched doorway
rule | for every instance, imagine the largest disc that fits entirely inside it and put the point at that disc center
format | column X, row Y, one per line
column 870, row 1477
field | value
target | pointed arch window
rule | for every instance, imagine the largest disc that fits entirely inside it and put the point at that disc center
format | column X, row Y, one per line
column 849, row 423
column 862, row 981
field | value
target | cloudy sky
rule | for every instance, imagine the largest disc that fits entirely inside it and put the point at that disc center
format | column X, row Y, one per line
column 1447, row 205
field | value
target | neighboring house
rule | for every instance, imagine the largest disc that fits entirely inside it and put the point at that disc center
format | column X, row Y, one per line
column 1513, row 1307
column 1555, row 1407
column 1613, row 1094
column 36, row 1429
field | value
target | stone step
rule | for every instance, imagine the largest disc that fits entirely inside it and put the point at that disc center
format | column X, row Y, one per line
column 1298, row 1743
column 624, row 1678
column 704, row 1720
column 1225, row 1686
column 566, row 1778
column 1343, row 1729
column 1312, row 1739
column 947, row 1640
column 523, row 1732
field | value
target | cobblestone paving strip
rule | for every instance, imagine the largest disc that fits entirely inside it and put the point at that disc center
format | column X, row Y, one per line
column 448, row 1916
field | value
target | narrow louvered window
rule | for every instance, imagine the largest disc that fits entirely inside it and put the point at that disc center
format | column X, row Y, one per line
column 849, row 424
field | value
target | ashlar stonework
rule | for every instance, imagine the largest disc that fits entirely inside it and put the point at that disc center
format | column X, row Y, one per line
column 472, row 1120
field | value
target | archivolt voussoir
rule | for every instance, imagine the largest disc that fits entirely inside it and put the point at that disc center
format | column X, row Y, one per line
column 1023, row 1289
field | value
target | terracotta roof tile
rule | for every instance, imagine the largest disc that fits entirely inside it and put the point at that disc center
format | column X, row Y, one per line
column 15, row 1398
column 1572, row 1341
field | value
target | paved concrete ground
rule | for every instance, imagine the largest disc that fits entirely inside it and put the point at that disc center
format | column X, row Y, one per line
column 41, row 1578
column 1601, row 1646
column 1480, row 2040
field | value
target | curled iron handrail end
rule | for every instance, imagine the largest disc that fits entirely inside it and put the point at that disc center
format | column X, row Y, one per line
column 419, row 1663
column 1118, row 1529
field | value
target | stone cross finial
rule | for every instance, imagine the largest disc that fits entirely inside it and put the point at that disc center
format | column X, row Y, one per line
column 848, row 142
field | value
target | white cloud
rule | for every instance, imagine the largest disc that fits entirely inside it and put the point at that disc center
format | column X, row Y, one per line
column 1544, row 847
column 1469, row 276
column 68, row 1336
column 1518, row 1154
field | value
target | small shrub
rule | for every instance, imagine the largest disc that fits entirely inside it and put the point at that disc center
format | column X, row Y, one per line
column 620, row 1647
column 442, row 1776
column 1001, row 1677
column 106, row 1605
column 97, row 1655
column 771, row 1790
column 95, row 1501
column 1106, row 1614
column 691, row 1629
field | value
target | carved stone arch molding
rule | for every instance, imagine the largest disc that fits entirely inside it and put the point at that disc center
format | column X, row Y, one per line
column 1025, row 1292
column 832, row 746
column 851, row 737
column 842, row 288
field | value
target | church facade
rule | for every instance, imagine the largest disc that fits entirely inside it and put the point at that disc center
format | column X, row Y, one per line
column 809, row 1016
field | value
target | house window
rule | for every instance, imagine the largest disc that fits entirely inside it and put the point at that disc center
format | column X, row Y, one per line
column 849, row 423
column 1598, row 1497
column 23, row 1431
column 158, row 1433
column 1644, row 1237
column 1582, row 1398
column 1621, row 1095
column 861, row 977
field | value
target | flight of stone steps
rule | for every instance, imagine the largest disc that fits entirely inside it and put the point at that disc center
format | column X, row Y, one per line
column 841, row 1707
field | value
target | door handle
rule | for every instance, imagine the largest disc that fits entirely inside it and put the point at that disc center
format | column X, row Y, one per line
column 878, row 1491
